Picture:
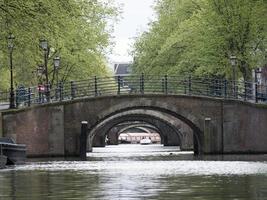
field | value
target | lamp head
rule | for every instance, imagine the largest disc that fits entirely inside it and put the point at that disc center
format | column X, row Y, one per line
column 44, row 44
column 233, row 60
column 56, row 62
column 10, row 40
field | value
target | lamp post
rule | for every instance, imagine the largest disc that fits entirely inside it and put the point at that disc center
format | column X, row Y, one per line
column 56, row 66
column 10, row 40
column 44, row 46
column 40, row 71
column 257, row 71
column 233, row 61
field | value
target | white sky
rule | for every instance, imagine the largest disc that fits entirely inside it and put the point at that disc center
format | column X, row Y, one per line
column 136, row 14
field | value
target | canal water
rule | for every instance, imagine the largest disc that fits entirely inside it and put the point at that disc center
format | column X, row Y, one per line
column 138, row 172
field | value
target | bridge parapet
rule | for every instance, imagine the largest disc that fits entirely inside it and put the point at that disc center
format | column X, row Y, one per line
column 142, row 84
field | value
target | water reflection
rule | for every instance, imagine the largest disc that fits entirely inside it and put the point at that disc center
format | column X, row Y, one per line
column 138, row 172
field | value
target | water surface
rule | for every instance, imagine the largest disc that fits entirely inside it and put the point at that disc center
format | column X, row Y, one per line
column 138, row 172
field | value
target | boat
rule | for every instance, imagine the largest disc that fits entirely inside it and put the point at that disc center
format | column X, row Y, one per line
column 14, row 153
column 145, row 141
column 124, row 142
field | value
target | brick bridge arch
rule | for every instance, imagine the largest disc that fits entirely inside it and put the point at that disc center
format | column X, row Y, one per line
column 164, row 127
column 170, row 135
column 146, row 128
column 147, row 114
column 54, row 129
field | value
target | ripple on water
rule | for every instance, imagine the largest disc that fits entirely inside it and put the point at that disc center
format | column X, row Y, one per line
column 151, row 167
column 136, row 172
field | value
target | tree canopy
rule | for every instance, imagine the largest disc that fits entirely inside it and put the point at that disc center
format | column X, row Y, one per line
column 77, row 30
column 200, row 36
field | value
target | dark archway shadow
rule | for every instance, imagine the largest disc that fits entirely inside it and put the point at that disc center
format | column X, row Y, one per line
column 103, row 131
column 141, row 126
column 120, row 116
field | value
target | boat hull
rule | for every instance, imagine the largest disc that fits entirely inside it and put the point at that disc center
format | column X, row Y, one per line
column 15, row 153
column 145, row 141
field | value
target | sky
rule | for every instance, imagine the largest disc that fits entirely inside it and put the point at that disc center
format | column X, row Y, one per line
column 136, row 14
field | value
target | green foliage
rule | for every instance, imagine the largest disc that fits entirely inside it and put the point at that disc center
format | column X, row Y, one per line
column 77, row 31
column 199, row 36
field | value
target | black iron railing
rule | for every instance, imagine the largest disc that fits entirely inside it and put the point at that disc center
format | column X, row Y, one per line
column 4, row 97
column 140, row 84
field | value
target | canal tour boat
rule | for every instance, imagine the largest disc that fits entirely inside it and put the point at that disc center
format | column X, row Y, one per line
column 145, row 141
column 14, row 153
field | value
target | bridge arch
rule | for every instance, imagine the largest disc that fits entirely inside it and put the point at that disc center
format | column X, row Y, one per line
column 159, row 127
column 54, row 129
column 143, row 128
column 167, row 116
column 102, row 130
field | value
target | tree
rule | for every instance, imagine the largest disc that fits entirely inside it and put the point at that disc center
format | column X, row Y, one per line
column 199, row 36
column 77, row 31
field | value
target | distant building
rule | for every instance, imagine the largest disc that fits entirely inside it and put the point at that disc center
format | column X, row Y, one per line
column 135, row 138
column 123, row 70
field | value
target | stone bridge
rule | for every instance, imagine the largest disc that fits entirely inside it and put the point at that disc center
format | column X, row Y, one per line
column 218, row 126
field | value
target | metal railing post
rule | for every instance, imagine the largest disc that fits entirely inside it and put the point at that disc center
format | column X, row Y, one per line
column 245, row 94
column 189, row 84
column 166, row 84
column 142, row 88
column 185, row 86
column 225, row 88
column 72, row 90
column 39, row 94
column 16, row 98
column 235, row 92
column 96, row 86
column 256, row 93
column 221, row 88
column 47, row 88
column 162, row 85
column 60, row 91
column 119, row 85
column 29, row 97
column 233, row 86
column 57, row 91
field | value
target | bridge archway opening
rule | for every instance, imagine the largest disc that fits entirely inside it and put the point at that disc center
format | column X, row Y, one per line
column 149, row 115
column 132, row 132
column 100, row 134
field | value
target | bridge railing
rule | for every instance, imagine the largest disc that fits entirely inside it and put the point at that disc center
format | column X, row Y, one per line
column 141, row 84
column 4, row 97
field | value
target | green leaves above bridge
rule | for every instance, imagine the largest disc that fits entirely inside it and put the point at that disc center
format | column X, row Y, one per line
column 199, row 36
column 77, row 30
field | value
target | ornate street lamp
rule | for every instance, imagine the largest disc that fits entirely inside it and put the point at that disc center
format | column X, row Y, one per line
column 233, row 61
column 44, row 44
column 40, row 72
column 10, row 43
column 256, row 72
column 56, row 62
column 45, row 47
column 56, row 66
